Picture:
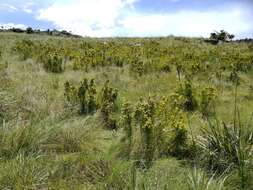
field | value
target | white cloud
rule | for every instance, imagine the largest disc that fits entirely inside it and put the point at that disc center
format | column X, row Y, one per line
column 117, row 17
column 89, row 17
column 12, row 25
column 187, row 23
column 8, row 7
column 28, row 7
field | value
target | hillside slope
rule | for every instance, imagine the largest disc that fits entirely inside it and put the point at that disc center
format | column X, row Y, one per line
column 125, row 113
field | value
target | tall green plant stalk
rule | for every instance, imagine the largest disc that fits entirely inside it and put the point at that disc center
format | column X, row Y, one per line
column 126, row 121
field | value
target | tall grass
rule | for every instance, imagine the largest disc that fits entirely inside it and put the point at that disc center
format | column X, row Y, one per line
column 198, row 180
column 228, row 146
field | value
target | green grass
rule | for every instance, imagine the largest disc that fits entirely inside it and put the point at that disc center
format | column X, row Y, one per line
column 46, row 144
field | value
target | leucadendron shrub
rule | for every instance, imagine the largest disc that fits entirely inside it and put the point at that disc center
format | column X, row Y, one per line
column 25, row 49
column 144, row 118
column 154, row 129
column 208, row 97
column 171, row 130
column 83, row 95
column 184, row 97
column 89, row 101
column 53, row 63
column 108, row 105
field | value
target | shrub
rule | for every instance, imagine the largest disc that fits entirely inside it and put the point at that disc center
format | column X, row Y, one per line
column 70, row 92
column 171, row 132
column 138, row 66
column 207, row 101
column 166, row 68
column 24, row 48
column 144, row 116
column 84, row 95
column 234, row 76
column 54, row 63
column 126, row 122
column 80, row 62
column 178, row 134
column 179, row 69
column 108, row 98
column 184, row 98
column 160, row 128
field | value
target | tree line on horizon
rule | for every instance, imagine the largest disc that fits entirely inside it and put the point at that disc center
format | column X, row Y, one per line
column 214, row 38
column 30, row 30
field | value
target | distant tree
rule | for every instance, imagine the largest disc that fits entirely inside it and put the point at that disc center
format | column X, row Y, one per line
column 213, row 36
column 231, row 36
column 49, row 32
column 221, row 36
column 64, row 32
column 29, row 30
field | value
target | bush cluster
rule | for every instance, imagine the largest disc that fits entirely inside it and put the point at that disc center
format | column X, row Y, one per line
column 85, row 95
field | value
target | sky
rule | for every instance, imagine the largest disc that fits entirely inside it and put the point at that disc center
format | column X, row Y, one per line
column 131, row 18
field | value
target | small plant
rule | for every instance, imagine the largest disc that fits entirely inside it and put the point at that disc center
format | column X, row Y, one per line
column 207, row 101
column 138, row 66
column 234, row 76
column 166, row 68
column 178, row 137
column 179, row 68
column 171, row 131
column 144, row 115
column 127, row 122
column 80, row 62
column 183, row 98
column 162, row 129
column 70, row 92
column 54, row 63
column 92, row 105
column 108, row 105
column 24, row 48
column 84, row 95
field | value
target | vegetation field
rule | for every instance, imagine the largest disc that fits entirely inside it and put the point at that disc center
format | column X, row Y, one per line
column 125, row 113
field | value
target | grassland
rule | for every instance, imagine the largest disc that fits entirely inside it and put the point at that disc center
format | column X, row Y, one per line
column 176, row 113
